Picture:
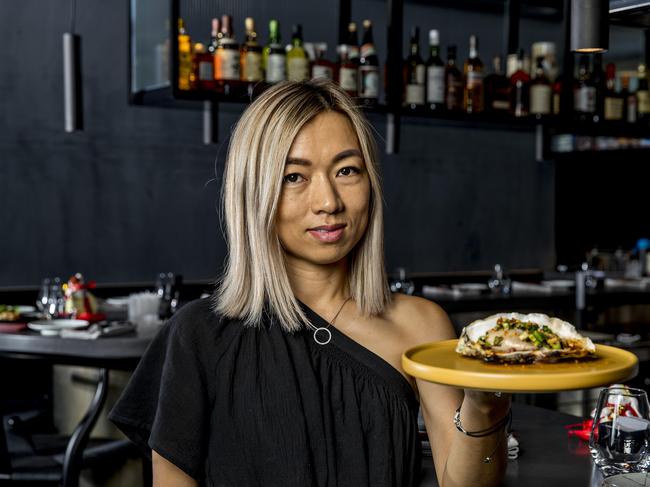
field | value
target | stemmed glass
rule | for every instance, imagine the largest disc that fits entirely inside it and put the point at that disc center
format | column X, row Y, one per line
column 620, row 435
column 43, row 295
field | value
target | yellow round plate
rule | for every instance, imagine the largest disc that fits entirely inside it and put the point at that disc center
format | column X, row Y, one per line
column 438, row 362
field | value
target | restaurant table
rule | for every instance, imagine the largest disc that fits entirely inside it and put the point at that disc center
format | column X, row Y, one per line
column 548, row 457
column 119, row 352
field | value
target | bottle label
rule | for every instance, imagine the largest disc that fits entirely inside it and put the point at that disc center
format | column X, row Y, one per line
column 613, row 108
column 348, row 79
column 368, row 50
column 454, row 93
column 369, row 82
column 585, row 99
column 474, row 79
column 298, row 68
column 227, row 64
column 435, row 84
column 420, row 74
column 353, row 52
column 276, row 67
column 500, row 105
column 643, row 102
column 321, row 71
column 415, row 94
column 206, row 71
column 252, row 68
column 540, row 99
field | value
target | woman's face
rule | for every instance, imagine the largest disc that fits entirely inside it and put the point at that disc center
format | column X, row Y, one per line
column 325, row 198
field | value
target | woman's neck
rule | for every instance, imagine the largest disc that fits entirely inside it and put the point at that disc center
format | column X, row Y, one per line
column 319, row 286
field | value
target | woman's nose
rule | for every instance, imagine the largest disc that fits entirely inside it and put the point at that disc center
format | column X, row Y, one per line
column 324, row 196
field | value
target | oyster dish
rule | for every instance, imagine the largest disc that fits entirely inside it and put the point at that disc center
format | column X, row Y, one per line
column 523, row 338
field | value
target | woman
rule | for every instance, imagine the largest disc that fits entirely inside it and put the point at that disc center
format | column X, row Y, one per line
column 292, row 375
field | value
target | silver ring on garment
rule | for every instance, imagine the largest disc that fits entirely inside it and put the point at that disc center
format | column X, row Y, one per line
column 322, row 342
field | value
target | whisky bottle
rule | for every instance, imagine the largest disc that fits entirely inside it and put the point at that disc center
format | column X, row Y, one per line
column 541, row 93
column 321, row 67
column 226, row 59
column 643, row 95
column 184, row 57
column 297, row 60
column 415, row 73
column 348, row 71
column 453, row 82
column 435, row 73
column 368, row 68
column 202, row 69
column 629, row 100
column 274, row 58
column 353, row 43
column 599, row 82
column 585, row 93
column 519, row 88
column 250, row 64
column 473, row 79
column 613, row 106
column 496, row 89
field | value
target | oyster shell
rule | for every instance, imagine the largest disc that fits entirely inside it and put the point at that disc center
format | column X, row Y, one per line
column 522, row 338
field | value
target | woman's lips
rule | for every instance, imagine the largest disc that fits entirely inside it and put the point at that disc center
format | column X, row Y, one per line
column 327, row 233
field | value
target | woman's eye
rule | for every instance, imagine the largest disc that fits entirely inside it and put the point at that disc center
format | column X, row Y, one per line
column 292, row 178
column 348, row 171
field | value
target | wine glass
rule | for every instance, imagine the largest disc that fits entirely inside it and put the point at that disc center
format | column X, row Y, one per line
column 43, row 293
column 620, row 435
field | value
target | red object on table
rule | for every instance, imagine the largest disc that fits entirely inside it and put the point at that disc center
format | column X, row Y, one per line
column 581, row 430
column 12, row 327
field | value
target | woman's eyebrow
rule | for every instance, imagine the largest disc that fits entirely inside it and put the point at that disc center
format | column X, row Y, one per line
column 347, row 153
column 338, row 157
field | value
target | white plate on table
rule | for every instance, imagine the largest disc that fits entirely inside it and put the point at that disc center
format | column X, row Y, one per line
column 54, row 327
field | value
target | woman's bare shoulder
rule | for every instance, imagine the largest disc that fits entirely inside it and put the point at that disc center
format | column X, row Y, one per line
column 420, row 319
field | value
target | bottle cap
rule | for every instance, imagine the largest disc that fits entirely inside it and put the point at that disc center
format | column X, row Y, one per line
column 367, row 24
column 434, row 37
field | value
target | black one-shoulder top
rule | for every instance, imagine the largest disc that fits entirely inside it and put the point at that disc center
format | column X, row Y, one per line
column 239, row 406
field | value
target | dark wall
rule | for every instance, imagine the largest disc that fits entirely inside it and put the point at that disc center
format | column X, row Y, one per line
column 136, row 192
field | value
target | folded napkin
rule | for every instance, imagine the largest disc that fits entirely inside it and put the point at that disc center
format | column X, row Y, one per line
column 99, row 330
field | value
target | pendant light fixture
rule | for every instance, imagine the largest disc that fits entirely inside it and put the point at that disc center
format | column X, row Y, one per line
column 72, row 84
column 589, row 25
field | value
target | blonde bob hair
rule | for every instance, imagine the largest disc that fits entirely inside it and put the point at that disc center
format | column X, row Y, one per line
column 255, row 281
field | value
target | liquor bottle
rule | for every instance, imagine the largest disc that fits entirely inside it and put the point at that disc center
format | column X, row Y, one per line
column 540, row 91
column 585, row 93
column 184, row 57
column 321, row 67
column 202, row 69
column 297, row 60
column 473, row 79
column 415, row 73
column 368, row 68
column 453, row 82
column 629, row 100
column 226, row 58
column 435, row 73
column 599, row 82
column 353, row 43
column 642, row 95
column 519, row 88
column 613, row 105
column 274, row 57
column 215, row 36
column 348, row 71
column 250, row 55
column 497, row 89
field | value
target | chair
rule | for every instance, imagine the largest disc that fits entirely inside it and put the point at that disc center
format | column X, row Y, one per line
column 36, row 458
